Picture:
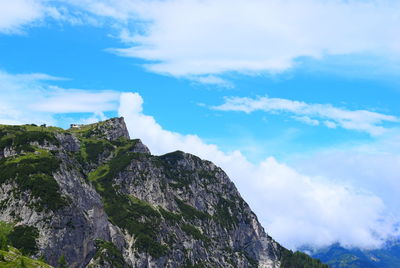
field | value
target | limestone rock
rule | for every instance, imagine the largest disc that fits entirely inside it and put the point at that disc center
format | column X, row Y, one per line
column 102, row 200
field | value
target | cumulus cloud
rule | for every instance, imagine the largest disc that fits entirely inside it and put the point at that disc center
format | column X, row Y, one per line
column 295, row 209
column 374, row 166
column 29, row 98
column 190, row 37
column 360, row 120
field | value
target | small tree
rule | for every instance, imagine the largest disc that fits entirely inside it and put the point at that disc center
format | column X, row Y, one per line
column 42, row 258
column 3, row 243
column 62, row 263
column 21, row 264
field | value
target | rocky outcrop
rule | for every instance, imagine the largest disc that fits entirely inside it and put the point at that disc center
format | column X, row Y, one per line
column 100, row 199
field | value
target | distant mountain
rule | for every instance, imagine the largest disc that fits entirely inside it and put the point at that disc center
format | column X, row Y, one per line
column 338, row 257
column 92, row 197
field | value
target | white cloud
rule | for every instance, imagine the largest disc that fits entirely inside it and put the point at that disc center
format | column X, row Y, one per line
column 360, row 120
column 212, row 80
column 295, row 209
column 375, row 166
column 59, row 100
column 202, row 39
column 194, row 38
column 307, row 120
column 330, row 124
column 29, row 98
column 17, row 13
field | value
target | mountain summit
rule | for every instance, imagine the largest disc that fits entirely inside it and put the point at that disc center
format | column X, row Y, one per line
column 90, row 196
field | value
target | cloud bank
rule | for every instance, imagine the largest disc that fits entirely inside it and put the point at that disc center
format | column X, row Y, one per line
column 312, row 114
column 29, row 98
column 198, row 38
column 201, row 40
column 294, row 208
column 374, row 167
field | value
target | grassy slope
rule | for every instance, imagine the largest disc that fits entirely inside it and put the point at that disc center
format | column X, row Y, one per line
column 14, row 259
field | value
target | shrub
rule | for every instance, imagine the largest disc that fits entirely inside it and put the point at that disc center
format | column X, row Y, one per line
column 24, row 238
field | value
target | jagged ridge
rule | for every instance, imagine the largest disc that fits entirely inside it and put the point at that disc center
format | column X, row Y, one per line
column 99, row 199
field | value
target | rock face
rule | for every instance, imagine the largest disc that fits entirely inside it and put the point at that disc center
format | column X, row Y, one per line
column 99, row 199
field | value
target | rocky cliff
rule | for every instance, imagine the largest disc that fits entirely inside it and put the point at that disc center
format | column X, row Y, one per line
column 92, row 197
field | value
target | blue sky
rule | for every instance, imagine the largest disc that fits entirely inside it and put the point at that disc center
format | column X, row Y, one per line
column 297, row 101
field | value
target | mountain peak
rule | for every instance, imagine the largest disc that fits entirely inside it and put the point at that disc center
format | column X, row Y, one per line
column 94, row 198
column 111, row 129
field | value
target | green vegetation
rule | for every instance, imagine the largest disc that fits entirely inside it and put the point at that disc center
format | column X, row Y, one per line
column 91, row 130
column 92, row 149
column 299, row 260
column 173, row 157
column 5, row 230
column 15, row 241
column 227, row 213
column 34, row 172
column 86, row 130
column 62, row 262
column 14, row 259
column 189, row 212
column 194, row 232
column 337, row 256
column 170, row 216
column 108, row 253
column 24, row 238
column 179, row 178
column 137, row 217
column 149, row 244
column 20, row 137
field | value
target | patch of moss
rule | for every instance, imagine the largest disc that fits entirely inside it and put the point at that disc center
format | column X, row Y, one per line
column 179, row 178
column 173, row 157
column 191, row 213
column 108, row 253
column 92, row 149
column 122, row 141
column 146, row 243
column 170, row 216
column 226, row 213
column 33, row 172
column 209, row 176
column 194, row 232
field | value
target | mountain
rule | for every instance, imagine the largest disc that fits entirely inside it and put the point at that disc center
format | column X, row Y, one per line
column 338, row 257
column 90, row 196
